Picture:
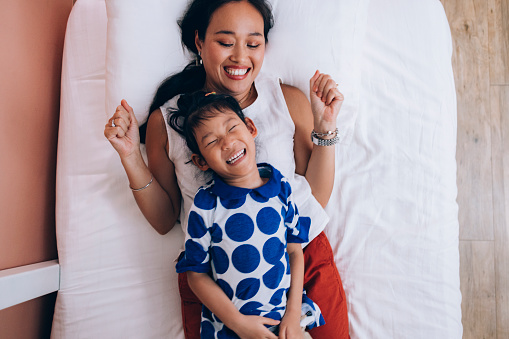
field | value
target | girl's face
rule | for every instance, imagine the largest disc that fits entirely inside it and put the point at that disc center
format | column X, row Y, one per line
column 227, row 147
column 233, row 49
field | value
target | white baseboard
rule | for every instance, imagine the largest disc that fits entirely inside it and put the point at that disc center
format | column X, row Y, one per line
column 28, row 282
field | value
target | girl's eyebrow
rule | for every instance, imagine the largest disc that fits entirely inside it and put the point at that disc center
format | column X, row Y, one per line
column 209, row 133
column 233, row 33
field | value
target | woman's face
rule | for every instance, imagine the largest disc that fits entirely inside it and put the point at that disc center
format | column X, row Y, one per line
column 233, row 48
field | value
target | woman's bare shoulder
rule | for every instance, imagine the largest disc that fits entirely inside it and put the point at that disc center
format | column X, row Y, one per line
column 297, row 102
column 156, row 130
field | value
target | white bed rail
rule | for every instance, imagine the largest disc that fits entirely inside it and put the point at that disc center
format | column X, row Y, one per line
column 28, row 282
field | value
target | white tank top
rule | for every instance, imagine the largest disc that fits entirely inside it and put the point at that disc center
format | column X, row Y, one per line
column 274, row 145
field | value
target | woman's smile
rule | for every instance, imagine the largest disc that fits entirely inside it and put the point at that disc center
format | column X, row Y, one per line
column 236, row 73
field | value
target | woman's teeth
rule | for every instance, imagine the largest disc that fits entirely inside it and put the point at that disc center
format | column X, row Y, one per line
column 236, row 157
column 236, row 71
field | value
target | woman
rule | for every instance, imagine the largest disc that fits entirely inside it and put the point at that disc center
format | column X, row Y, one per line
column 229, row 37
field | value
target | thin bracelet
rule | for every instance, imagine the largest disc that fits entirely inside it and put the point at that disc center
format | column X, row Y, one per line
column 141, row 189
column 326, row 134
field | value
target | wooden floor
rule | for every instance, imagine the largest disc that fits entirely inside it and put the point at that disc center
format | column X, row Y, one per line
column 480, row 30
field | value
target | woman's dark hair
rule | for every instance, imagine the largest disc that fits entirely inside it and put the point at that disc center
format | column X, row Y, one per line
column 192, row 78
column 195, row 108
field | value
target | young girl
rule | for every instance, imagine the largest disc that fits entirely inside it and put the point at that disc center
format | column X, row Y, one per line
column 243, row 253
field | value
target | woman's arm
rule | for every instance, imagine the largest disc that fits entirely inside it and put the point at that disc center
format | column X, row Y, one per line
column 316, row 163
column 160, row 201
column 212, row 296
column 290, row 324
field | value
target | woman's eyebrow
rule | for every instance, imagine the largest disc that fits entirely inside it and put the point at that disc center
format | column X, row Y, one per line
column 233, row 33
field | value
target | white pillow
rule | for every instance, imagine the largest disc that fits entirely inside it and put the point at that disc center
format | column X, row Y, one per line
column 117, row 274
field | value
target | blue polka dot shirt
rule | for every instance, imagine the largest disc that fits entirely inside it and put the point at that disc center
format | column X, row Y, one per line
column 239, row 236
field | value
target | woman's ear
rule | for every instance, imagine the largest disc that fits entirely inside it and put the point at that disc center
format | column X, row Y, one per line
column 251, row 127
column 197, row 41
column 199, row 162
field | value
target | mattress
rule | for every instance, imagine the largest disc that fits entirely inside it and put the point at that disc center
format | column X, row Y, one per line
column 394, row 216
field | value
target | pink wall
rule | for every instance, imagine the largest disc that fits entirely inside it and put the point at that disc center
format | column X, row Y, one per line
column 32, row 35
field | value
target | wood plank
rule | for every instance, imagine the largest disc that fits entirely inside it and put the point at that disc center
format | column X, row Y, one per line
column 469, row 26
column 477, row 276
column 500, row 149
column 499, row 41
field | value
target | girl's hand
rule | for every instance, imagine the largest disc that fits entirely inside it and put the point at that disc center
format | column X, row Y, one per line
column 122, row 131
column 253, row 327
column 290, row 328
column 326, row 101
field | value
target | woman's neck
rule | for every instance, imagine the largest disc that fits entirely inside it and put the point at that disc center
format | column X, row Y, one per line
column 244, row 99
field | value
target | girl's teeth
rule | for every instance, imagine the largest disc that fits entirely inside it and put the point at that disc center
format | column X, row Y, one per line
column 235, row 157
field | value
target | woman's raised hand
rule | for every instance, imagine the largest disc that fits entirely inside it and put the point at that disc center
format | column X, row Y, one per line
column 122, row 131
column 326, row 101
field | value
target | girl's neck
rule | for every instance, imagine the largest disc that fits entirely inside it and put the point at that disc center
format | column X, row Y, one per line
column 251, row 180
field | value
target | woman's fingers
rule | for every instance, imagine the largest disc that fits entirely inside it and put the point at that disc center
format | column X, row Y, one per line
column 123, row 113
column 120, row 126
column 333, row 94
column 321, row 84
column 129, row 110
column 119, row 123
column 325, row 88
column 312, row 81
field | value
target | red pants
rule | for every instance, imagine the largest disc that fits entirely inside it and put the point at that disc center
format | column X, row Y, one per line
column 321, row 281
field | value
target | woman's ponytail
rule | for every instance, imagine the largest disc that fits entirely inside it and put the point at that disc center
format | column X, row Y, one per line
column 189, row 80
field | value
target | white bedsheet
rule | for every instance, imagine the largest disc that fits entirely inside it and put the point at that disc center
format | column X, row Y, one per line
column 394, row 225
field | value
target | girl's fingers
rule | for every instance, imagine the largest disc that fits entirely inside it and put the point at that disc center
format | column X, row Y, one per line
column 269, row 321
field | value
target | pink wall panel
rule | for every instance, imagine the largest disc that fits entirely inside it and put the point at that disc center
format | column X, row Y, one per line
column 31, row 37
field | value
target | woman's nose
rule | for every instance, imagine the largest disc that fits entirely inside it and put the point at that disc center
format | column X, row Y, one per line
column 238, row 53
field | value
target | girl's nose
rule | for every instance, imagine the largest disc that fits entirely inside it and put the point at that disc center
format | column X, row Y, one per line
column 228, row 142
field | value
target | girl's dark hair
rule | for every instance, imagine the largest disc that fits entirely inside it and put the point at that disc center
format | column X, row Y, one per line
column 192, row 78
column 195, row 108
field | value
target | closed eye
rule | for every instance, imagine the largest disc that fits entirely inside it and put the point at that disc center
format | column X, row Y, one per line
column 210, row 143
column 225, row 44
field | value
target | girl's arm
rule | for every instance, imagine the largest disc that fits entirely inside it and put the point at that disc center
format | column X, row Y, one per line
column 316, row 163
column 212, row 296
column 290, row 324
column 160, row 200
